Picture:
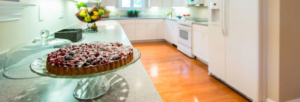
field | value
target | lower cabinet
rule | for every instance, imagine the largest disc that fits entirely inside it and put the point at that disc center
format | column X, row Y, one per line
column 152, row 31
column 146, row 31
column 129, row 29
column 143, row 29
column 200, row 45
column 161, row 29
column 172, row 32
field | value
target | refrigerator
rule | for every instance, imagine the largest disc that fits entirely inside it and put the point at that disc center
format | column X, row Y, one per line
column 235, row 45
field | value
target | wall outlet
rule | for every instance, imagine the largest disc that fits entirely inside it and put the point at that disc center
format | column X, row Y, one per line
column 61, row 12
column 41, row 12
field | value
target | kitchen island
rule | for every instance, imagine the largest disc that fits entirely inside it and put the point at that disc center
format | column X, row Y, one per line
column 131, row 84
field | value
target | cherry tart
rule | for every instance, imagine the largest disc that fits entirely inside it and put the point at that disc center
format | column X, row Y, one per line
column 88, row 58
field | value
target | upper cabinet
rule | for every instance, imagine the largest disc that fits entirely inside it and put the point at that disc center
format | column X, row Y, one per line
column 206, row 2
column 108, row 2
column 167, row 3
column 155, row 3
column 195, row 2
column 179, row 3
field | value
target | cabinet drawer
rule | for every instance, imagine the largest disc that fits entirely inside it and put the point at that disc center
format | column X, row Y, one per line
column 126, row 21
column 143, row 21
column 200, row 28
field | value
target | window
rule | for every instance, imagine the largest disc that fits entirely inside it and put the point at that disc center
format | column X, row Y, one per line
column 131, row 4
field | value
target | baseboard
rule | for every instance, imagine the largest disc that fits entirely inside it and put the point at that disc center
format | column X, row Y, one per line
column 294, row 100
column 269, row 100
column 148, row 41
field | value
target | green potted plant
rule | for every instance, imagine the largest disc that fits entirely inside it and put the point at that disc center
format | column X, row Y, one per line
column 133, row 13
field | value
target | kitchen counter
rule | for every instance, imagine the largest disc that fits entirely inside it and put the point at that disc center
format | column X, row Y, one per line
column 131, row 84
column 201, row 23
column 172, row 18
column 146, row 17
column 154, row 17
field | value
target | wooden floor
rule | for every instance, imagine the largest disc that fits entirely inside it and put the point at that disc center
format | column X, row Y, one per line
column 179, row 78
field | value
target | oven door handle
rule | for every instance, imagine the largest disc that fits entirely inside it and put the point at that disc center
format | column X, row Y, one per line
column 184, row 28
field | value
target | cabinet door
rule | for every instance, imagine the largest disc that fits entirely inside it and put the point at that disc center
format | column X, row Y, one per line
column 174, row 3
column 179, row 3
column 168, row 31
column 167, row 3
column 206, row 2
column 151, row 31
column 141, row 32
column 108, row 2
column 155, row 3
column 104, row 2
column 204, row 47
column 197, row 44
column 205, row 54
column 174, row 32
column 160, row 28
column 112, row 3
column 200, row 45
column 129, row 29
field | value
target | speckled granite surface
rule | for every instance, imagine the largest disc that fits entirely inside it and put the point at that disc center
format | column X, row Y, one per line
column 146, row 17
column 132, row 84
column 2, row 60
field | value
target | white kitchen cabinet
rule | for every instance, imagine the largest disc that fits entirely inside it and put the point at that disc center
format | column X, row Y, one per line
column 155, row 3
column 204, row 44
column 167, row 3
column 152, row 31
column 129, row 28
column 173, row 31
column 179, row 3
column 108, row 2
column 206, row 2
column 146, row 31
column 197, row 44
column 200, row 42
column 141, row 31
column 200, row 45
column 167, row 34
column 160, row 28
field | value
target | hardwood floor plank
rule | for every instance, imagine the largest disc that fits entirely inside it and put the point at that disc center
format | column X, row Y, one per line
column 179, row 78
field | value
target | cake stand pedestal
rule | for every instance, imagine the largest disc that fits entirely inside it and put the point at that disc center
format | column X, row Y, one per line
column 91, row 85
column 89, row 88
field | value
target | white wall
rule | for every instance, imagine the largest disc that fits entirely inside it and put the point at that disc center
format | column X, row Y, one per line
column 13, row 33
column 282, row 29
column 195, row 11
column 272, row 28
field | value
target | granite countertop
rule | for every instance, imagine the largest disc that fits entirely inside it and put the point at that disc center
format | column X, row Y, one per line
column 201, row 23
column 155, row 17
column 145, row 17
column 131, row 84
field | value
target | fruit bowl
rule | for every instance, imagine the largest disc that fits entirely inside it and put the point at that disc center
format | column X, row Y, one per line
column 89, row 15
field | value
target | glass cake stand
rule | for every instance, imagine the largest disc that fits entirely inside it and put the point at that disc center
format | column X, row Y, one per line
column 91, row 85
